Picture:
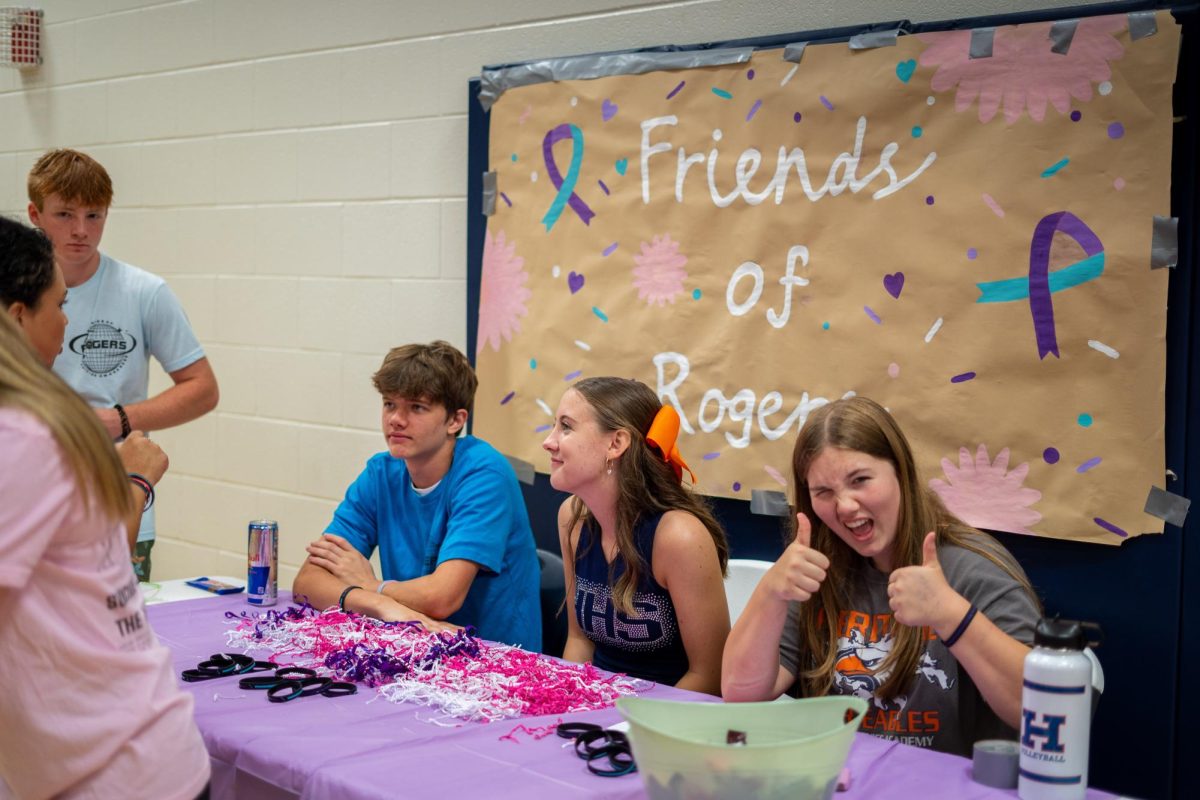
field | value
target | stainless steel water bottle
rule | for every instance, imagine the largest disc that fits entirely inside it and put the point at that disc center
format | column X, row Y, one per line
column 1056, row 714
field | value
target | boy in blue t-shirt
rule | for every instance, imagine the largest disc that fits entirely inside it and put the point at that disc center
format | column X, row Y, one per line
column 445, row 512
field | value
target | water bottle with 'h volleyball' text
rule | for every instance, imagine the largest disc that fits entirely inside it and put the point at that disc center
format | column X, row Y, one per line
column 1056, row 713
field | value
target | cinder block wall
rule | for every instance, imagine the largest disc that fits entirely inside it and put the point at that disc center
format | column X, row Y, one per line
column 297, row 170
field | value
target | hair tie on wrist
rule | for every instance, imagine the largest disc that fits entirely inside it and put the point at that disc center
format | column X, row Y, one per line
column 962, row 627
column 145, row 485
column 125, row 427
column 664, row 430
column 382, row 584
column 342, row 599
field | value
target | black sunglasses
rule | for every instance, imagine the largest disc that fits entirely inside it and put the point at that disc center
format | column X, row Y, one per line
column 594, row 743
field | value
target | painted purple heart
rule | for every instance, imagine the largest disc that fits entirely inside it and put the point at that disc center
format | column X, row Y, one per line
column 894, row 284
column 575, row 281
column 608, row 110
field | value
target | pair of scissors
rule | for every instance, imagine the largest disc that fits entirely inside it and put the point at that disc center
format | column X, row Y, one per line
column 288, row 683
column 220, row 665
column 593, row 743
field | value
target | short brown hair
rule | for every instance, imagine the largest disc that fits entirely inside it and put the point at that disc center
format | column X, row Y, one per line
column 437, row 371
column 72, row 175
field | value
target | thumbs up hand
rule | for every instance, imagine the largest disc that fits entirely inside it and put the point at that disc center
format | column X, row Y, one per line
column 920, row 595
column 800, row 570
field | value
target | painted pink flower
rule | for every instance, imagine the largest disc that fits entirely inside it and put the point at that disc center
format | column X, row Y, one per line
column 659, row 274
column 1023, row 72
column 985, row 494
column 502, row 292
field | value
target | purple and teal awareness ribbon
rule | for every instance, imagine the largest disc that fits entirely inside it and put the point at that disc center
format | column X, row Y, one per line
column 565, row 186
column 1042, row 283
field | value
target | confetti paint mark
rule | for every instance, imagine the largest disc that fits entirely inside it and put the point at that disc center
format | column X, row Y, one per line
column 972, row 253
column 710, row 456
column 524, row 116
column 750, row 75
column 933, row 329
column 963, row 377
column 783, row 82
column 917, row 131
column 928, row 199
column 555, row 271
column 544, row 407
column 930, row 100
column 508, row 397
column 582, row 345
column 1108, row 526
column 533, row 363
column 514, row 158
column 737, row 486
column 775, row 475
column 603, row 188
column 603, row 317
column 1089, row 464
column 825, row 325
column 697, row 294
column 1050, row 455
column 1104, row 88
column 1101, row 347
column 608, row 251
column 722, row 93
column 797, row 117
column 993, row 205
column 1076, row 116
column 1055, row 168
column 1116, row 130
column 542, row 428
column 825, row 102
column 754, row 110
column 504, row 197
column 1085, row 420
column 874, row 317
column 570, row 376
column 533, row 176
column 894, row 370
column 675, row 91
column 1119, row 184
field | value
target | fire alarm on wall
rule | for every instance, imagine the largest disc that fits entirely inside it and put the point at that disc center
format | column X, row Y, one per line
column 20, row 36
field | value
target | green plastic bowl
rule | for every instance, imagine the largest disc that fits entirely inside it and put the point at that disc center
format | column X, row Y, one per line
column 794, row 749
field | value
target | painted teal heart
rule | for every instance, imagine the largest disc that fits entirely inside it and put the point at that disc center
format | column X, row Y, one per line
column 905, row 70
column 622, row 165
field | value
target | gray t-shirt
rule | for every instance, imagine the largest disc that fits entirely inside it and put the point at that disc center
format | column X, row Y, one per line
column 942, row 709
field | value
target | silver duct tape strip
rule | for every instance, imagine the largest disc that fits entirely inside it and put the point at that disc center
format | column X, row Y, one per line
column 1061, row 34
column 524, row 469
column 1142, row 24
column 769, row 503
column 981, row 42
column 1169, row 507
column 872, row 39
column 794, row 52
column 495, row 82
column 489, row 193
column 1164, row 243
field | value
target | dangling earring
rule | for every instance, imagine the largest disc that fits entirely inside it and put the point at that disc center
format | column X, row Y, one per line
column 608, row 467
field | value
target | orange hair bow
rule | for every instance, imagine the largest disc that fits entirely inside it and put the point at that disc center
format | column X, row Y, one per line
column 662, row 435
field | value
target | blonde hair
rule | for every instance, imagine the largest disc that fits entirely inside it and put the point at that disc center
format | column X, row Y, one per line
column 646, row 484
column 862, row 425
column 26, row 384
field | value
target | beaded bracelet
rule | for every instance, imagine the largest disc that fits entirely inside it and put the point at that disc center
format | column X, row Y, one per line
column 953, row 638
column 142, row 483
column 342, row 599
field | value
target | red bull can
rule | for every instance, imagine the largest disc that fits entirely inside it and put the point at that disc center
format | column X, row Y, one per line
column 262, row 563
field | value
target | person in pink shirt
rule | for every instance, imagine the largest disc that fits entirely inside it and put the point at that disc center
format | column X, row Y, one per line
column 91, row 707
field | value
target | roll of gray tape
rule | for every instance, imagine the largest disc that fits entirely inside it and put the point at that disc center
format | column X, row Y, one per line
column 995, row 763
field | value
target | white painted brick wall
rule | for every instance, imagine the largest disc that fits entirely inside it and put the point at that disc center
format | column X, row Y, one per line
column 297, row 170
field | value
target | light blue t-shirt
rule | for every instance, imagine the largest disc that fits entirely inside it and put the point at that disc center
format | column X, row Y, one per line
column 116, row 320
column 476, row 513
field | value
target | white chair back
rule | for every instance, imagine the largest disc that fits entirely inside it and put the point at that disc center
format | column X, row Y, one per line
column 744, row 574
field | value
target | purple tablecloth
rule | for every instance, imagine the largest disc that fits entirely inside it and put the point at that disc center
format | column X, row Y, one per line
column 363, row 747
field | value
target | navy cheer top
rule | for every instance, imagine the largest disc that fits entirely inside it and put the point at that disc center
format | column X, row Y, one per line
column 645, row 645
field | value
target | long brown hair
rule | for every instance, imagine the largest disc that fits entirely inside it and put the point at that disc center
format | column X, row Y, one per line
column 862, row 425
column 26, row 384
column 646, row 485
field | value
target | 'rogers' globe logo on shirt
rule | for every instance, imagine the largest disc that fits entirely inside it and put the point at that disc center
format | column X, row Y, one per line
column 104, row 348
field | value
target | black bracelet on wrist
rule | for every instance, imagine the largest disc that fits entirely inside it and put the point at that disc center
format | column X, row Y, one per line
column 144, row 484
column 125, row 427
column 342, row 599
column 953, row 638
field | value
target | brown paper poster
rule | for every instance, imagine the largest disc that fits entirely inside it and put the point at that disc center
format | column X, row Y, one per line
column 966, row 241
